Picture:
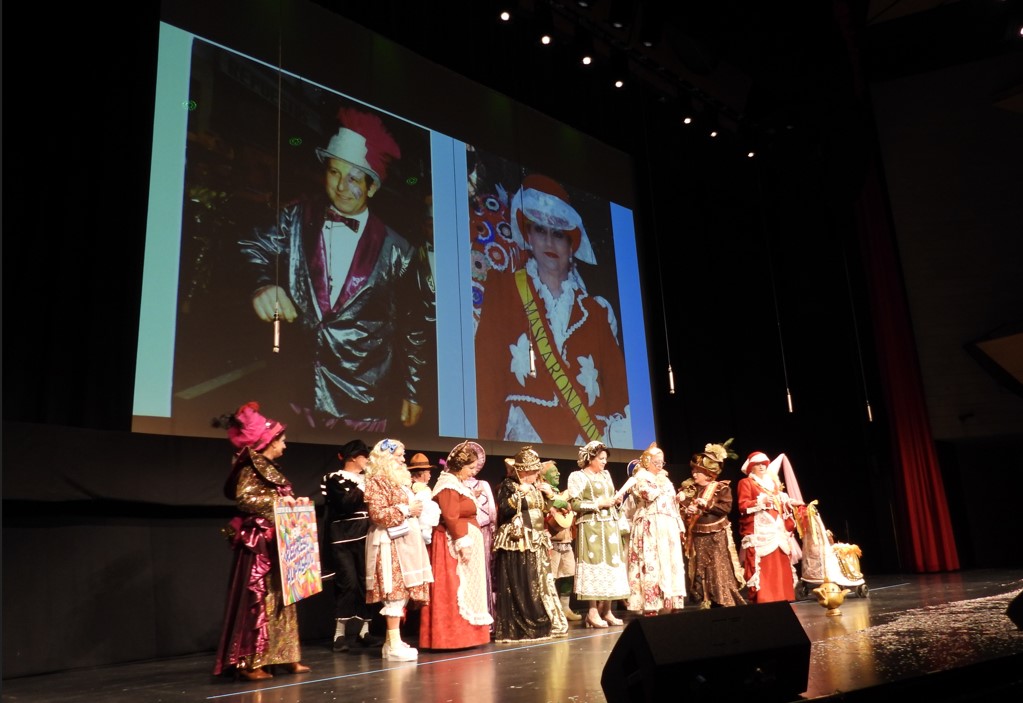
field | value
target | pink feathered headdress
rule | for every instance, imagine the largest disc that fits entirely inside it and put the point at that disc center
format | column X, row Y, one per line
column 248, row 428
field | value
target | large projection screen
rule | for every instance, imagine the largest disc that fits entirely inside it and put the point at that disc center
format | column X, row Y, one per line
column 473, row 200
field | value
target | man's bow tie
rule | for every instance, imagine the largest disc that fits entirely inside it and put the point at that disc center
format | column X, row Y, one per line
column 334, row 216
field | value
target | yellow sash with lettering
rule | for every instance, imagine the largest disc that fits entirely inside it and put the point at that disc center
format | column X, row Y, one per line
column 541, row 335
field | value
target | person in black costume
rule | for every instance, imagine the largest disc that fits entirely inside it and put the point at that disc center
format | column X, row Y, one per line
column 345, row 523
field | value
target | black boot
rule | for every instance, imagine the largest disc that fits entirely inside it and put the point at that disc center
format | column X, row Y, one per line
column 368, row 641
column 342, row 637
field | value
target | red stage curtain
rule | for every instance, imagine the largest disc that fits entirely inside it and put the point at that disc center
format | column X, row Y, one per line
column 918, row 477
column 922, row 491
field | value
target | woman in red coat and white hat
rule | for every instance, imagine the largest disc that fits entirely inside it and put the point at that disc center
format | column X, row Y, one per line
column 765, row 524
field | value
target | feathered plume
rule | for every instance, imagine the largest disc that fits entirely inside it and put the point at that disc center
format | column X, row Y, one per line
column 720, row 452
column 229, row 420
column 381, row 148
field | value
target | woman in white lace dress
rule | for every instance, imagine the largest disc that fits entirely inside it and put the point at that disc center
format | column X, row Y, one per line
column 657, row 575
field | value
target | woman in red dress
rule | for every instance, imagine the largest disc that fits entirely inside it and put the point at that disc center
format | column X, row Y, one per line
column 458, row 614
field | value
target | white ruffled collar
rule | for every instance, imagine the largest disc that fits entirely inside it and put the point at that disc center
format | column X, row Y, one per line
column 559, row 310
column 448, row 481
column 767, row 483
column 358, row 479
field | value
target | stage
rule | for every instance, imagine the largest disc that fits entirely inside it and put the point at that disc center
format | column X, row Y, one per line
column 943, row 637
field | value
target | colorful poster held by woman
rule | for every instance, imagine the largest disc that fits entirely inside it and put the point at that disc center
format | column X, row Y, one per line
column 300, row 554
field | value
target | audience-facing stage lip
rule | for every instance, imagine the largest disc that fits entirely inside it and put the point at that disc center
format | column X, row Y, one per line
column 945, row 637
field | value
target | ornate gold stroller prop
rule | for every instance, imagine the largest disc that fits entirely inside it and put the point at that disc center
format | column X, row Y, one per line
column 829, row 570
column 833, row 567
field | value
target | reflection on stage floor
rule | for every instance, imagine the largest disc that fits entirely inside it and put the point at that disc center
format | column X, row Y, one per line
column 946, row 637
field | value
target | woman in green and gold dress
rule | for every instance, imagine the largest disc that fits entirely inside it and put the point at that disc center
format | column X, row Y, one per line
column 526, row 605
column 600, row 574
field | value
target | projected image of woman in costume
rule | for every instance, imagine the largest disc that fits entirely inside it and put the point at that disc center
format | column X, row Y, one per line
column 549, row 363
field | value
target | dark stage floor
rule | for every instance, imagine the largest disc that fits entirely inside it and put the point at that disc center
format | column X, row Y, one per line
column 943, row 637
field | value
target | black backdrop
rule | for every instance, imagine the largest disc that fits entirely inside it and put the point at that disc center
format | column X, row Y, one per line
column 111, row 539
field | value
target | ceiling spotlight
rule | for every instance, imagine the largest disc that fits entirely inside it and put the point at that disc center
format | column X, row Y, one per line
column 584, row 48
column 504, row 16
column 620, row 14
column 687, row 120
column 710, row 119
column 619, row 64
column 651, row 24
column 750, row 154
column 544, row 23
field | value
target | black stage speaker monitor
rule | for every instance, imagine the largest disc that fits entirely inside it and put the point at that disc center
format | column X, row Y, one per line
column 1015, row 610
column 748, row 653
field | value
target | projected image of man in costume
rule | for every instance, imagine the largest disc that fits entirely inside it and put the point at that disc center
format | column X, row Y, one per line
column 359, row 291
